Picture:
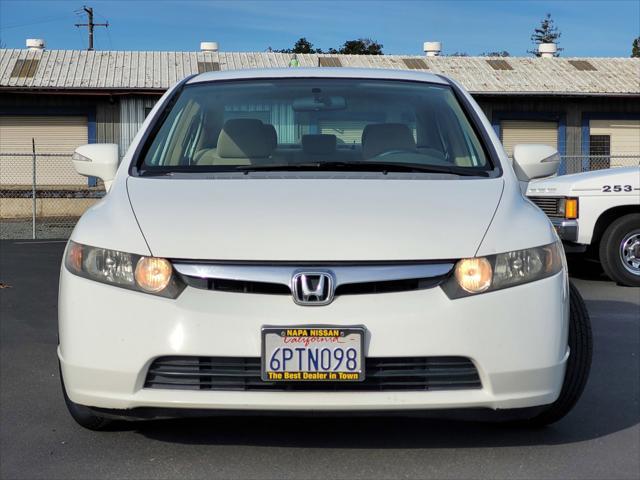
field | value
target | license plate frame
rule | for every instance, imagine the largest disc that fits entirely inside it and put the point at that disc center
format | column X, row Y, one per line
column 344, row 332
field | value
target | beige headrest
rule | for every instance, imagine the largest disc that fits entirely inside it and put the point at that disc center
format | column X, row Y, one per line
column 244, row 138
column 270, row 130
column 378, row 138
column 319, row 144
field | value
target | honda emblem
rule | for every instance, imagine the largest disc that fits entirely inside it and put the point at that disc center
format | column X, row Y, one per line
column 312, row 288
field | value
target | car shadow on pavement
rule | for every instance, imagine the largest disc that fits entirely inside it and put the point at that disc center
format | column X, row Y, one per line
column 609, row 404
column 371, row 432
column 586, row 269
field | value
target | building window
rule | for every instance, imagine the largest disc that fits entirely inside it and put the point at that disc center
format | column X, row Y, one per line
column 599, row 152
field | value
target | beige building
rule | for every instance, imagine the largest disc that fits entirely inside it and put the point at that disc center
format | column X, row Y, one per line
column 59, row 99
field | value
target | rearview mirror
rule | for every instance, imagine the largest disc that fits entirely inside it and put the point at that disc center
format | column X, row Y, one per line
column 97, row 160
column 319, row 104
column 531, row 160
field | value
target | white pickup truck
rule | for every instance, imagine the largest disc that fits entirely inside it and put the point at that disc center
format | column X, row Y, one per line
column 597, row 212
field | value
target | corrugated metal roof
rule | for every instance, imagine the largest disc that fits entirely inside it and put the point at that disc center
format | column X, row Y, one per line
column 132, row 70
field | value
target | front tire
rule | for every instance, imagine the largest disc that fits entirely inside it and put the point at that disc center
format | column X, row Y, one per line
column 84, row 416
column 578, row 364
column 620, row 250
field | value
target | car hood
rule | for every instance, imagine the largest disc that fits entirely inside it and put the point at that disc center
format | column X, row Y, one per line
column 313, row 219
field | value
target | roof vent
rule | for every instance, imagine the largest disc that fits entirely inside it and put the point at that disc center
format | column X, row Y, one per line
column 24, row 68
column 209, row 46
column 582, row 65
column 547, row 50
column 35, row 43
column 432, row 49
column 207, row 66
column 329, row 62
column 415, row 64
column 499, row 65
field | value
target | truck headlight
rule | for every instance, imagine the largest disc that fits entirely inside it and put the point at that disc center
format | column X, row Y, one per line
column 145, row 274
column 472, row 276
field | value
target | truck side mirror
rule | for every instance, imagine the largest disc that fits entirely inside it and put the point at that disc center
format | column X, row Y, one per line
column 532, row 160
column 97, row 160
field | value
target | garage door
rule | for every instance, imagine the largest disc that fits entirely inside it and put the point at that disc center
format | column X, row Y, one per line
column 616, row 138
column 524, row 131
column 52, row 135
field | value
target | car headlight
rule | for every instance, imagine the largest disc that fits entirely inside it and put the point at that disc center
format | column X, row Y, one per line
column 145, row 274
column 472, row 276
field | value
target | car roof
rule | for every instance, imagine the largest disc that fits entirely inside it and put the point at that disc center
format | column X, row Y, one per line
column 325, row 72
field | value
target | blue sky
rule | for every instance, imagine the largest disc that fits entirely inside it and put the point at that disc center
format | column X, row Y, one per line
column 589, row 27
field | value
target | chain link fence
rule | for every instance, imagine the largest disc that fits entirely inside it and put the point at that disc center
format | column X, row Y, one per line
column 41, row 195
column 587, row 163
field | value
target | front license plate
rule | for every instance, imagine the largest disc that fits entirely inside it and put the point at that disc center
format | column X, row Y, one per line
column 317, row 354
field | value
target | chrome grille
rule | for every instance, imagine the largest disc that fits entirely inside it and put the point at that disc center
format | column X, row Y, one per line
column 350, row 279
column 549, row 205
column 381, row 374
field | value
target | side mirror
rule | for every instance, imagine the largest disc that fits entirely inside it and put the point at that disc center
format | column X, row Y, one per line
column 532, row 160
column 97, row 160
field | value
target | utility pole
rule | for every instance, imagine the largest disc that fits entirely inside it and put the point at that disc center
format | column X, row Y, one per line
column 90, row 25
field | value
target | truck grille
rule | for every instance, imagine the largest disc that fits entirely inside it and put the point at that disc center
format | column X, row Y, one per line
column 382, row 374
column 549, row 205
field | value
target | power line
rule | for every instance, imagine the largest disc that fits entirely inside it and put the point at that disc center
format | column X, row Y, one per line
column 109, row 38
column 35, row 22
column 107, row 30
column 83, row 40
column 91, row 25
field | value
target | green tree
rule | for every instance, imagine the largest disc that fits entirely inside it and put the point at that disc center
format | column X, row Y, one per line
column 361, row 46
column 635, row 48
column 301, row 46
column 305, row 46
column 547, row 32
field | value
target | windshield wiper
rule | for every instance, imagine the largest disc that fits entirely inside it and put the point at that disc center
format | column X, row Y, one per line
column 383, row 167
column 157, row 173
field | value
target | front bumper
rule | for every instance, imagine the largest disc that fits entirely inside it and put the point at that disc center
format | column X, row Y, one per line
column 567, row 229
column 568, row 232
column 517, row 339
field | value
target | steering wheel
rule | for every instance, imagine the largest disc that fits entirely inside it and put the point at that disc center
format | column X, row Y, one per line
column 394, row 152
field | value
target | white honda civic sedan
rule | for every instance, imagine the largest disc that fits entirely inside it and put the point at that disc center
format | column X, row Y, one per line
column 306, row 240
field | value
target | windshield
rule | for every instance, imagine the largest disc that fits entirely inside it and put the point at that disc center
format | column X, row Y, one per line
column 331, row 124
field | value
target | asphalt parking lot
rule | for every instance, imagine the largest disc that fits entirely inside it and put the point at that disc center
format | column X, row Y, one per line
column 599, row 439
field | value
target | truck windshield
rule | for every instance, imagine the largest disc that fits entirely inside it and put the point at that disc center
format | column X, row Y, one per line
column 311, row 123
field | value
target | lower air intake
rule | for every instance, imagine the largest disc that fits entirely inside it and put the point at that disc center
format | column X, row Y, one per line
column 382, row 374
